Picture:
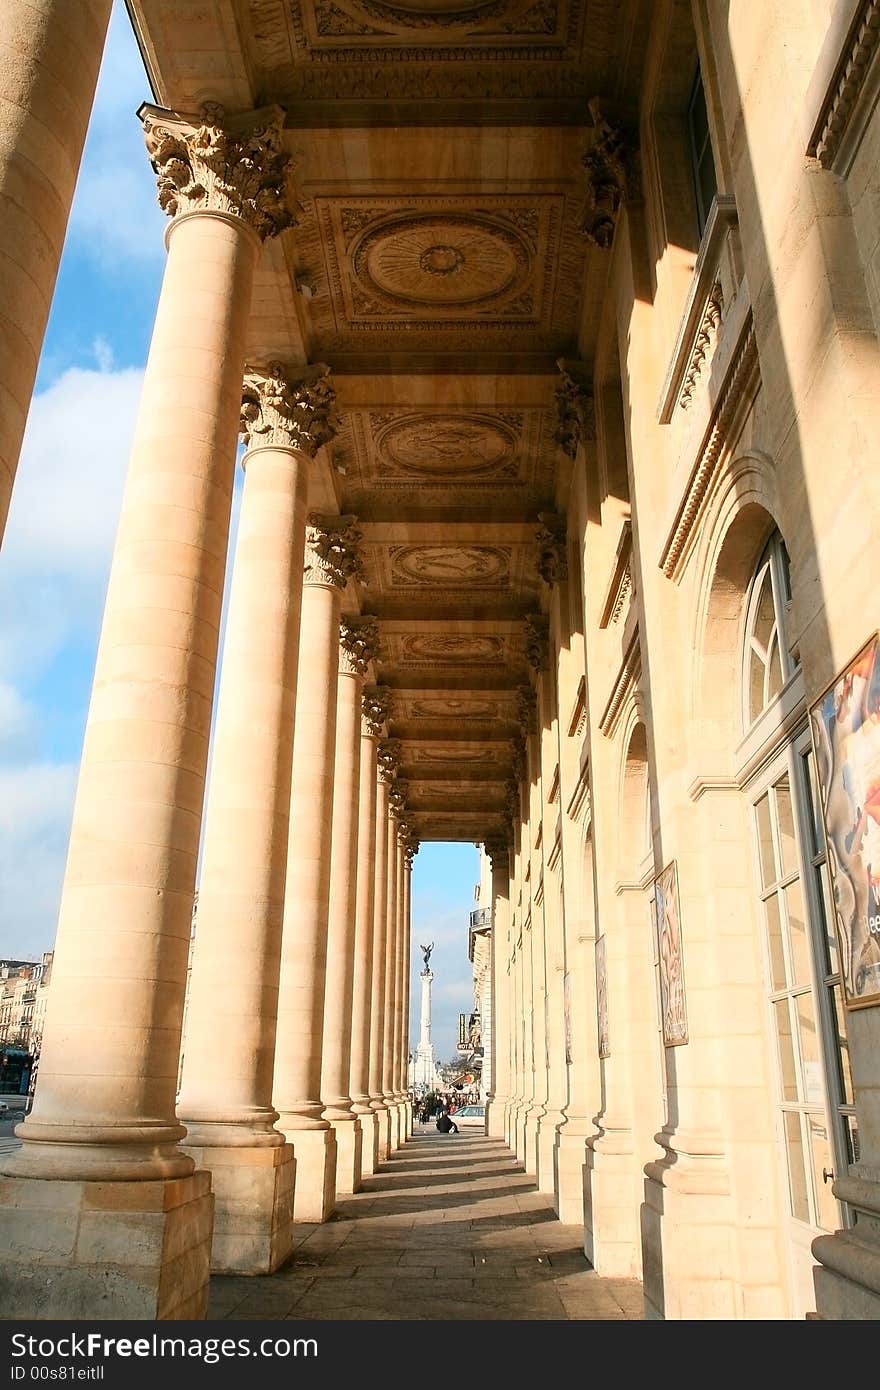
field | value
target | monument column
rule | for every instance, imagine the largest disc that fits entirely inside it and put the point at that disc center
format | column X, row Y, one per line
column 358, row 646
column 374, row 713
column 226, row 1090
column 105, row 1108
column 330, row 559
column 50, row 53
column 497, row 1049
column 388, row 756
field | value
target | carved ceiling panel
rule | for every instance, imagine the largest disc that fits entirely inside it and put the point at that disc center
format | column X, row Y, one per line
column 324, row 27
column 482, row 268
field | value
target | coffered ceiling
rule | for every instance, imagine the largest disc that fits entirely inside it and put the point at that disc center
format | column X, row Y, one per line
column 438, row 267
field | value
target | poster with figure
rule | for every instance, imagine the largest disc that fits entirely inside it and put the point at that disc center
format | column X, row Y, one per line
column 602, row 998
column 845, row 723
column 667, row 911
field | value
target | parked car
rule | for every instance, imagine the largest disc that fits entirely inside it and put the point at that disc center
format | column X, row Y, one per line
column 4, row 1109
column 470, row 1117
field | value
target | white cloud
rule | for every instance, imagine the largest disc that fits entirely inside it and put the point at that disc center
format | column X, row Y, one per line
column 36, row 802
column 16, row 723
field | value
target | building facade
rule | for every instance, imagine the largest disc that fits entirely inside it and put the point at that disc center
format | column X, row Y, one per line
column 551, row 333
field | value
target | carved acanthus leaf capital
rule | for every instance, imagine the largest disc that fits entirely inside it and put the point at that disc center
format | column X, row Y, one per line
column 611, row 163
column 537, row 634
column 410, row 850
column 498, row 850
column 512, row 801
column 552, row 548
column 358, row 644
column 288, row 412
column 575, row 410
column 518, row 758
column 388, row 758
column 397, row 799
column 331, row 556
column 375, row 710
column 208, row 163
column 527, row 710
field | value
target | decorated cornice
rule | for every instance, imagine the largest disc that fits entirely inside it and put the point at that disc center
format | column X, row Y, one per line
column 537, row 635
column 358, row 645
column 611, row 163
column 575, row 409
column 208, row 163
column 705, row 337
column 526, row 710
column 552, row 548
column 287, row 412
column 375, row 710
column 388, row 759
column 331, row 556
column 850, row 99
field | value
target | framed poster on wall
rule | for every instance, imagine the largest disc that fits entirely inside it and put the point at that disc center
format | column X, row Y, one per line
column 845, row 724
column 667, row 916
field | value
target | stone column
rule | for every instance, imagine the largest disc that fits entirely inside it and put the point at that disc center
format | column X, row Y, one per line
column 330, row 558
column 398, row 1077
column 50, row 53
column 226, row 1090
column 410, row 849
column 104, row 1112
column 358, row 646
column 497, row 1037
column 389, row 1092
column 388, row 755
column 374, row 713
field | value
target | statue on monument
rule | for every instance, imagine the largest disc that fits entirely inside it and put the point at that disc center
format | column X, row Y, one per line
column 426, row 950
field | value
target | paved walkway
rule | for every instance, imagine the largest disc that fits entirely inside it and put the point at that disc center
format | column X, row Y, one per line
column 449, row 1228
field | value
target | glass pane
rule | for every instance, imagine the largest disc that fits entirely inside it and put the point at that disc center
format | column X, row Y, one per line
column 706, row 179
column 774, row 937
column 765, row 841
column 811, row 1059
column 797, row 1176
column 827, row 1215
column 787, row 1068
column 832, row 960
column 843, row 1045
column 765, row 614
column 774, row 672
column 799, row 950
column 785, row 824
column 756, row 685
column 852, row 1137
column 817, row 841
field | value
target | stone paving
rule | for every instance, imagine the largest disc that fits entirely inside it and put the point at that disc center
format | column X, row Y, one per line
column 450, row 1228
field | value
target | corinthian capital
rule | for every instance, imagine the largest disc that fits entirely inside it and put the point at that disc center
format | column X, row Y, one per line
column 358, row 645
column 208, row 163
column 537, row 641
column 575, row 412
column 287, row 412
column 375, row 710
column 388, row 759
column 397, row 799
column 410, row 850
column 552, row 548
column 527, row 710
column 612, row 177
column 331, row 556
column 498, row 850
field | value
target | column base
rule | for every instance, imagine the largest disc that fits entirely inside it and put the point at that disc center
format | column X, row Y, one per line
column 315, row 1196
column 692, row 1268
column 571, row 1154
column 110, row 1250
column 383, row 1134
column 349, row 1154
column 369, row 1142
column 531, row 1120
column 847, row 1278
column 496, row 1124
column 612, row 1197
column 545, row 1143
column 393, row 1126
column 253, row 1206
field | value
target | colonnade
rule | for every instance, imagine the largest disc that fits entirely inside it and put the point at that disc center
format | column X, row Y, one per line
column 293, row 1080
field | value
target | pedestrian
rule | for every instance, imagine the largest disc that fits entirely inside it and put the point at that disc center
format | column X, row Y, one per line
column 445, row 1124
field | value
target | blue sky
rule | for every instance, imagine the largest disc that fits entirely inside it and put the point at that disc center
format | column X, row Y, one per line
column 56, row 555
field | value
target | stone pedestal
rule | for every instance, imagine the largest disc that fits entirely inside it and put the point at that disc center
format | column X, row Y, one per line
column 546, row 1138
column 611, row 1206
column 315, row 1195
column 369, row 1143
column 92, row 1250
column 569, row 1160
column 349, row 1154
column 253, row 1212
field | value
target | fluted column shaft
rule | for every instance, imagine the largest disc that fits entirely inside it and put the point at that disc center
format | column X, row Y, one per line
column 390, row 963
column 363, row 983
column 380, row 940
column 498, row 1041
column 108, row 1070
column 50, row 53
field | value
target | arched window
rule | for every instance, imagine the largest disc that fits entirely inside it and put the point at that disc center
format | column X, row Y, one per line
column 813, row 1086
column 768, row 661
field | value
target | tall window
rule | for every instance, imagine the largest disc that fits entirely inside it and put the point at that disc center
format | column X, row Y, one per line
column 813, row 1084
column 702, row 161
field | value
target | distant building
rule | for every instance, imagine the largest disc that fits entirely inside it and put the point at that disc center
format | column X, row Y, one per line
column 24, row 988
